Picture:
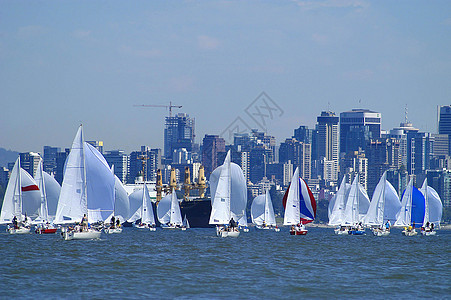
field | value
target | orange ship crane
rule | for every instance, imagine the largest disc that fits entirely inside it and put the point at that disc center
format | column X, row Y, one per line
column 170, row 106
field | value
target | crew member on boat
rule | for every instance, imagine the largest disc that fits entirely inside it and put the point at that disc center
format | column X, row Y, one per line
column 113, row 219
column 84, row 222
column 15, row 223
column 232, row 223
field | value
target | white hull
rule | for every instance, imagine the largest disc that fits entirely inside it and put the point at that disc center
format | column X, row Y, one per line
column 152, row 229
column 164, row 226
column 409, row 233
column 340, row 232
column 84, row 235
column 113, row 230
column 378, row 232
column 267, row 228
column 429, row 233
column 21, row 230
column 221, row 232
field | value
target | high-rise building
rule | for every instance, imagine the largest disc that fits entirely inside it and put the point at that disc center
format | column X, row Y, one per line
column 328, row 144
column 382, row 154
column 299, row 154
column 357, row 127
column 4, row 177
column 419, row 152
column 29, row 161
column 440, row 180
column 60, row 163
column 119, row 160
column 400, row 133
column 178, row 133
column 444, row 119
column 50, row 155
column 355, row 163
column 212, row 145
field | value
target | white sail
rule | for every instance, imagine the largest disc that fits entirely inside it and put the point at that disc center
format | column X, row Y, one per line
column 228, row 192
column 338, row 204
column 176, row 215
column 31, row 196
column 433, row 205
column 186, row 222
column 52, row 192
column 12, row 203
column 88, row 185
column 404, row 215
column 220, row 210
column 164, row 209
column 292, row 209
column 384, row 205
column 262, row 210
column 145, row 211
column 100, row 185
column 40, row 180
column 72, row 203
column 357, row 204
column 121, row 201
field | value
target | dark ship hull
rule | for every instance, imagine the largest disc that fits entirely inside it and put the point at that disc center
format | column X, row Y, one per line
column 197, row 212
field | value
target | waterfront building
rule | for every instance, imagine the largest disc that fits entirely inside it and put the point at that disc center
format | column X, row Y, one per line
column 419, row 152
column 212, row 145
column 327, row 145
column 355, row 163
column 357, row 127
column 50, row 156
column 29, row 161
column 444, row 119
column 299, row 154
column 120, row 160
column 400, row 133
column 178, row 133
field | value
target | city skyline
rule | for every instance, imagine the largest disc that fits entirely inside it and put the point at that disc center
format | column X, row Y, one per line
column 214, row 59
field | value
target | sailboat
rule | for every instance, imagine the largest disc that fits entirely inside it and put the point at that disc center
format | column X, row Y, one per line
column 43, row 220
column 356, row 208
column 337, row 207
column 262, row 212
column 242, row 223
column 22, row 198
column 168, row 212
column 411, row 214
column 433, row 210
column 144, row 212
column 228, row 198
column 186, row 222
column 300, row 205
column 121, row 207
column 87, row 191
column 383, row 209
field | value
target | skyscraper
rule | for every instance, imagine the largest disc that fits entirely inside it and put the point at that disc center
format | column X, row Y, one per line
column 29, row 162
column 119, row 159
column 328, row 143
column 444, row 119
column 178, row 133
column 50, row 155
column 357, row 127
column 211, row 146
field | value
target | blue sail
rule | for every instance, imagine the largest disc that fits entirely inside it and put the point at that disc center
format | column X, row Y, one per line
column 418, row 207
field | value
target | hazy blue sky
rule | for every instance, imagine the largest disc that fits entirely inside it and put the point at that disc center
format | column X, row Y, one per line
column 66, row 62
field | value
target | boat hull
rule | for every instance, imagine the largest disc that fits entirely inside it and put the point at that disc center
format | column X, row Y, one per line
column 84, row 235
column 409, row 233
column 221, row 232
column 429, row 233
column 378, row 232
column 45, row 230
column 21, row 230
column 356, row 232
column 298, row 232
column 198, row 212
column 113, row 230
column 341, row 232
column 276, row 229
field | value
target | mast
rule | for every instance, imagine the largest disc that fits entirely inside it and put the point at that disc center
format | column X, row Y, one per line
column 85, row 184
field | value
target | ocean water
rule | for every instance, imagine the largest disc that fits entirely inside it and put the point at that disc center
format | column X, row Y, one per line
column 195, row 264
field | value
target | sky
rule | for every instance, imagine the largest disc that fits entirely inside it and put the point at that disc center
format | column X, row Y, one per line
column 270, row 65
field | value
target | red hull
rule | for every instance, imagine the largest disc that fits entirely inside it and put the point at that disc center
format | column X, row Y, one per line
column 300, row 232
column 45, row 231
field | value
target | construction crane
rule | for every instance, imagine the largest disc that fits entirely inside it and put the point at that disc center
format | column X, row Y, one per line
column 170, row 106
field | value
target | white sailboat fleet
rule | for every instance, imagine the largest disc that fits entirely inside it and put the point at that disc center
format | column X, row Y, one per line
column 417, row 209
column 229, row 198
column 262, row 213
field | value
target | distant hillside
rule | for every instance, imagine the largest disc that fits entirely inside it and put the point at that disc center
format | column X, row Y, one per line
column 7, row 156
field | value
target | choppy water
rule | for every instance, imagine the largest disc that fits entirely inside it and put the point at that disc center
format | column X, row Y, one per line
column 196, row 264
